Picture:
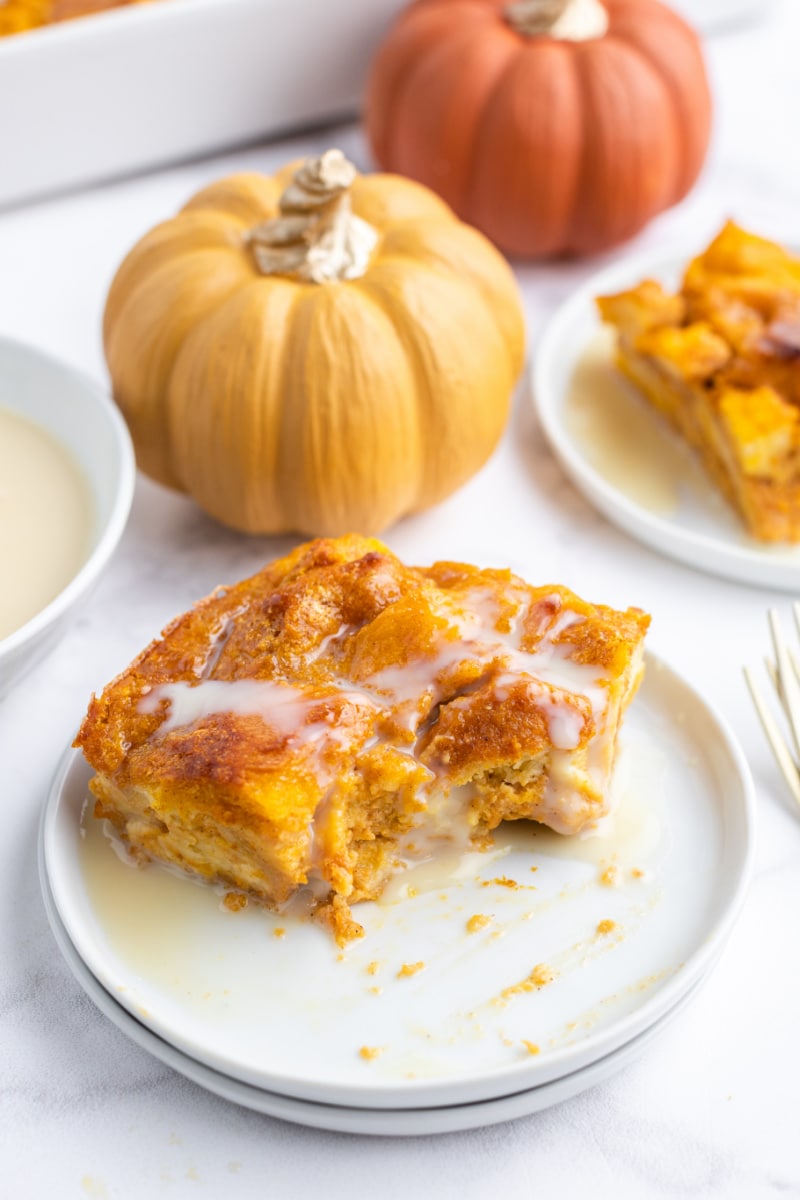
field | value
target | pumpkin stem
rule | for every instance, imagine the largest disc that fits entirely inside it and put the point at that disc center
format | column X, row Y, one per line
column 568, row 20
column 317, row 238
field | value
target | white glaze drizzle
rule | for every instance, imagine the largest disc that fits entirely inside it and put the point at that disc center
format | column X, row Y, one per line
column 471, row 636
column 284, row 708
column 218, row 640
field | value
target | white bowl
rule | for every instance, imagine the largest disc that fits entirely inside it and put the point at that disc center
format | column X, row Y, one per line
column 75, row 411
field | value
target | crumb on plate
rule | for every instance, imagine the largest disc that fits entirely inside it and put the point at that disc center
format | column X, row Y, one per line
column 410, row 969
column 478, row 921
column 540, row 976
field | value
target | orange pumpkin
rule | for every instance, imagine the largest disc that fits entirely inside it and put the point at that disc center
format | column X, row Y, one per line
column 554, row 126
column 317, row 350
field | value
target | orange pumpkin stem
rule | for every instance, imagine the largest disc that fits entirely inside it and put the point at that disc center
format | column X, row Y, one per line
column 567, row 20
column 317, row 238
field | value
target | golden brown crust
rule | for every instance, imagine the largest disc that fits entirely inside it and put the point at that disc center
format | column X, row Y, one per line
column 313, row 723
column 721, row 360
column 475, row 734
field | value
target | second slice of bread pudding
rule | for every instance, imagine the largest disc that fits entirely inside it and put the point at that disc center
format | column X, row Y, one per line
column 340, row 715
column 720, row 359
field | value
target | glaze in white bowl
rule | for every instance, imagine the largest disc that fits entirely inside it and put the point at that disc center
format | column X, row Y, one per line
column 75, row 411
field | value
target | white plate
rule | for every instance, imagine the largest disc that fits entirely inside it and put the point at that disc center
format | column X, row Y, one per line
column 379, row 1122
column 290, row 1014
column 700, row 529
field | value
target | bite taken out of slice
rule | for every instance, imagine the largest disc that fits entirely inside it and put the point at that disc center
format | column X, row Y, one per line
column 340, row 715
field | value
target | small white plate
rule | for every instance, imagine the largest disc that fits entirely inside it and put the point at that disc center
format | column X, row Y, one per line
column 291, row 1013
column 683, row 515
column 377, row 1122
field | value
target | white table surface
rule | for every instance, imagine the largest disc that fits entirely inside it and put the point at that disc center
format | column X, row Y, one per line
column 712, row 1109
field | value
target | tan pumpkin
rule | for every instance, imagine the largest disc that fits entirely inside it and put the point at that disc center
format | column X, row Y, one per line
column 316, row 352
column 555, row 126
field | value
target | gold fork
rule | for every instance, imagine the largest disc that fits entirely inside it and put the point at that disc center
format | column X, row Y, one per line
column 785, row 675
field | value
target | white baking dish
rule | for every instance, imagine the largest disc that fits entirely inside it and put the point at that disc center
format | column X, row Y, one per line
column 138, row 87
column 141, row 86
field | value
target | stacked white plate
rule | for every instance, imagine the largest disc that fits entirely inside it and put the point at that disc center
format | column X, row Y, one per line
column 486, row 987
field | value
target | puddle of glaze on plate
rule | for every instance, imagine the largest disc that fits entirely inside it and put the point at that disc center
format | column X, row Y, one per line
column 576, row 956
column 371, row 1120
column 623, row 439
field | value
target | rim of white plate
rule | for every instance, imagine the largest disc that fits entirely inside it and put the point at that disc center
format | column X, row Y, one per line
column 409, row 1122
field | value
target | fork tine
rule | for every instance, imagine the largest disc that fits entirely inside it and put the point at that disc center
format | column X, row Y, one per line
column 796, row 611
column 792, row 655
column 773, row 673
column 789, row 687
column 775, row 739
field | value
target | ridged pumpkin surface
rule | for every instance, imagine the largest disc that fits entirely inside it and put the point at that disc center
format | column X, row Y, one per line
column 283, row 405
column 549, row 146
